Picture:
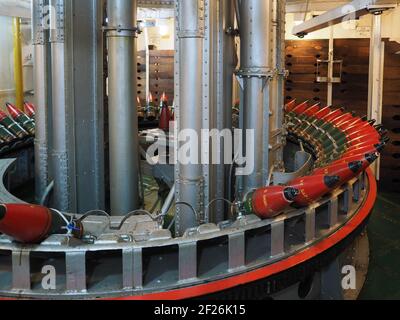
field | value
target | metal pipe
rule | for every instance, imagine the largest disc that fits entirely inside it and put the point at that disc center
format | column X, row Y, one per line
column 42, row 101
column 256, row 72
column 376, row 70
column 60, row 159
column 168, row 202
column 18, row 74
column 123, row 125
column 277, row 84
column 224, row 69
column 190, row 41
column 331, row 66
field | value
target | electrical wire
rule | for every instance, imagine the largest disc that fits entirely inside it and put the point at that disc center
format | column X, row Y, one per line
column 94, row 213
column 190, row 206
column 61, row 216
column 231, row 173
column 186, row 204
column 216, row 200
column 171, row 223
column 131, row 214
column 46, row 193
column 155, row 205
column 70, row 226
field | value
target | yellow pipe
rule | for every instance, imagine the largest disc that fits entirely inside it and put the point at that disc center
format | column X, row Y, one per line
column 18, row 73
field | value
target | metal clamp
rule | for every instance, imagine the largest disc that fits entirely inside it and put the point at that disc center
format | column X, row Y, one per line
column 256, row 73
column 379, row 9
column 120, row 29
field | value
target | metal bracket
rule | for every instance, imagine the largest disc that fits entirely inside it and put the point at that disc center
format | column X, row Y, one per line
column 379, row 9
column 328, row 79
column 122, row 29
column 256, row 73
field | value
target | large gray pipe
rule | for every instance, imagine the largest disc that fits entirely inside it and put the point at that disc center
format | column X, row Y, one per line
column 60, row 159
column 42, row 101
column 191, row 37
column 277, row 84
column 230, row 59
column 225, row 67
column 255, row 17
column 123, row 123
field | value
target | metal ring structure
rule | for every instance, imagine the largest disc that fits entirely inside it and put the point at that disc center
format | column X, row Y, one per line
column 183, row 258
column 208, row 260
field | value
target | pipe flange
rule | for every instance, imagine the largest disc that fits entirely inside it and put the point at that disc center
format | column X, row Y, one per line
column 255, row 73
column 123, row 31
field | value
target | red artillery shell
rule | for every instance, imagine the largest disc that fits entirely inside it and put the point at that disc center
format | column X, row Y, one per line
column 13, row 110
column 270, row 201
column 364, row 132
column 25, row 223
column 29, row 109
column 312, row 110
column 362, row 126
column 333, row 115
column 369, row 157
column 353, row 123
column 364, row 138
column 301, row 107
column 343, row 118
column 323, row 113
column 165, row 115
column 32, row 224
column 314, row 187
column 290, row 106
column 345, row 171
column 364, row 149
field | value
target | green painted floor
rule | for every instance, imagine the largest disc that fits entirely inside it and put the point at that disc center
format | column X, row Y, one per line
column 383, row 280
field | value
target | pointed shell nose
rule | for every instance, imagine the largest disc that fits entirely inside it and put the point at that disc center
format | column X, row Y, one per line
column 3, row 212
column 331, row 181
column 355, row 166
column 291, row 193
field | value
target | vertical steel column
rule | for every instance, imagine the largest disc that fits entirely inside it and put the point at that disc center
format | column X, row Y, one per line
column 256, row 72
column 42, row 99
column 376, row 69
column 330, row 67
column 123, row 133
column 190, row 182
column 228, row 53
column 224, row 67
column 277, row 140
column 209, row 104
column 85, row 47
column 60, row 155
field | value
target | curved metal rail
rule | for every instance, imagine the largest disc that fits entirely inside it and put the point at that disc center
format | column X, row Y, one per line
column 205, row 254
